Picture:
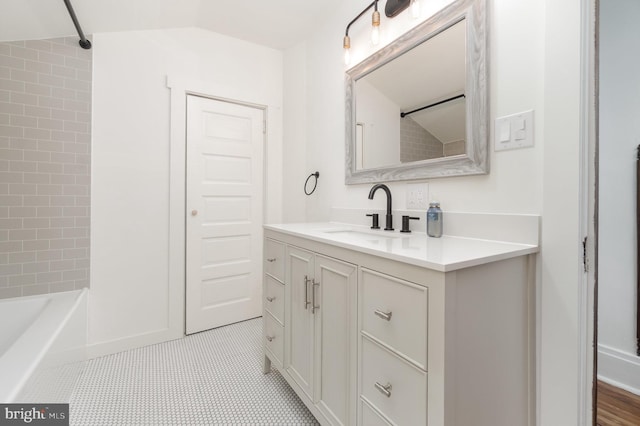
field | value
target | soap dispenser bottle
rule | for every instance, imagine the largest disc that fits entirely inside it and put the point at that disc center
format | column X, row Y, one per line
column 434, row 220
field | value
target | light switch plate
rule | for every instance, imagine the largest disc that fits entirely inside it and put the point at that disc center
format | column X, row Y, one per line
column 514, row 131
column 417, row 196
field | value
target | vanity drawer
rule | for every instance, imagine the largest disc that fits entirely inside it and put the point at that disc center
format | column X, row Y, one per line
column 396, row 388
column 394, row 312
column 369, row 417
column 274, row 258
column 273, row 339
column 274, row 298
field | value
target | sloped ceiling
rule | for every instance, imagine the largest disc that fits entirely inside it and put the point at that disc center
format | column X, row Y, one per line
column 274, row 23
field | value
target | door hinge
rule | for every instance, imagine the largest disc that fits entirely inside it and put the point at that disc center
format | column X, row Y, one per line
column 585, row 258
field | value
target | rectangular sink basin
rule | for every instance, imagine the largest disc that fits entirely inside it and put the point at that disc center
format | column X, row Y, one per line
column 360, row 235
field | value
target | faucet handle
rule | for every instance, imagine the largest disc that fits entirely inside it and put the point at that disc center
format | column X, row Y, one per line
column 405, row 223
column 375, row 220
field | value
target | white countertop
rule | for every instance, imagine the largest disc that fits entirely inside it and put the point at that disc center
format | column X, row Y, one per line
column 441, row 254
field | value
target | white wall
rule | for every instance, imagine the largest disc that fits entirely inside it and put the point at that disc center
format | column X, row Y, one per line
column 534, row 64
column 295, row 136
column 381, row 120
column 561, row 266
column 516, row 60
column 619, row 138
column 133, row 301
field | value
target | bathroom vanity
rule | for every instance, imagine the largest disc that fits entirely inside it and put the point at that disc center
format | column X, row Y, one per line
column 378, row 328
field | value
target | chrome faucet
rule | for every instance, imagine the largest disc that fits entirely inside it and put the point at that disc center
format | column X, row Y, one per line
column 389, row 217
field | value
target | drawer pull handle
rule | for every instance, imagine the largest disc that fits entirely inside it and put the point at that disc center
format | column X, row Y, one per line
column 314, row 307
column 270, row 338
column 384, row 315
column 307, row 280
column 271, row 260
column 384, row 389
column 271, row 298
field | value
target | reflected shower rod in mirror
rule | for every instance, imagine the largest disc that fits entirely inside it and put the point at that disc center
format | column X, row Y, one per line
column 442, row 57
column 84, row 43
column 392, row 8
column 444, row 101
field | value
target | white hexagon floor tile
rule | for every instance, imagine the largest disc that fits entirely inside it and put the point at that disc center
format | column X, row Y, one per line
column 209, row 378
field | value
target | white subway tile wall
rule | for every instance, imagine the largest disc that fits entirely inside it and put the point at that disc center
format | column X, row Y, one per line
column 45, row 159
column 416, row 143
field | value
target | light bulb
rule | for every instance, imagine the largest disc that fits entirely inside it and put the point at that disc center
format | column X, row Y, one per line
column 415, row 9
column 375, row 27
column 375, row 35
column 346, row 44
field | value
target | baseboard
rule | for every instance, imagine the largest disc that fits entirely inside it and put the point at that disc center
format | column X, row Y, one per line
column 98, row 349
column 619, row 369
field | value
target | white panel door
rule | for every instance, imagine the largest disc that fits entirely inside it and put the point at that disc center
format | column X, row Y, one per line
column 224, row 209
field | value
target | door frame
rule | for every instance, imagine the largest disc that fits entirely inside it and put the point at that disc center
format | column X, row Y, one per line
column 197, row 317
column 179, row 90
column 588, row 220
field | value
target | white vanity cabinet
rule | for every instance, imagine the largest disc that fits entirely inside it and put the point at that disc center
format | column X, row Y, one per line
column 393, row 347
column 320, row 294
column 273, row 302
column 371, row 340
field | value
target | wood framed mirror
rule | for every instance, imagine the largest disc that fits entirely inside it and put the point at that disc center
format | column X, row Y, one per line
column 418, row 108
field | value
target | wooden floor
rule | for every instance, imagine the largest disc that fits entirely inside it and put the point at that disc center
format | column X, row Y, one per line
column 617, row 407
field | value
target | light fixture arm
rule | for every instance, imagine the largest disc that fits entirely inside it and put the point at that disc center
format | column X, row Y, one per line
column 374, row 4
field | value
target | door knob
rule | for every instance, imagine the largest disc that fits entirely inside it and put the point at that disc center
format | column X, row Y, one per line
column 194, row 212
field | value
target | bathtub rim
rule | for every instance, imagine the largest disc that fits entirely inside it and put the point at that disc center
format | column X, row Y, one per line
column 22, row 359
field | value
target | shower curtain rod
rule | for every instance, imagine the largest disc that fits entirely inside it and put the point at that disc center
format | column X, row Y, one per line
column 404, row 114
column 84, row 43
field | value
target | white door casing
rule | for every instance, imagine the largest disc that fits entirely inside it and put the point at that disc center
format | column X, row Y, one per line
column 224, row 212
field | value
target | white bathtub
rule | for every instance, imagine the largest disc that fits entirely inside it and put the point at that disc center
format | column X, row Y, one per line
column 38, row 333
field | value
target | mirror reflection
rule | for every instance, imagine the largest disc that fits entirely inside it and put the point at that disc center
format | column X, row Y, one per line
column 413, row 108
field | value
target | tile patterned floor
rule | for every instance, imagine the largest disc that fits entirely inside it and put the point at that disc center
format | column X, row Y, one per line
column 210, row 378
column 52, row 385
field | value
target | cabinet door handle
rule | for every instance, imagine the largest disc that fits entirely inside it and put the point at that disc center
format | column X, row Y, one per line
column 270, row 338
column 306, row 292
column 384, row 315
column 384, row 389
column 314, row 307
column 271, row 298
column 271, row 260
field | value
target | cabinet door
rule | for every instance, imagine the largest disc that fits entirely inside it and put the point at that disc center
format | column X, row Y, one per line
column 299, row 327
column 334, row 294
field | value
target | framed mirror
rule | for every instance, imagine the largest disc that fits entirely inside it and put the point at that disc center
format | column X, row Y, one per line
column 418, row 108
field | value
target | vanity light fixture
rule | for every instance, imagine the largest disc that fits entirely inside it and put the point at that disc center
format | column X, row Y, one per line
column 392, row 8
column 375, row 30
column 415, row 9
column 375, row 25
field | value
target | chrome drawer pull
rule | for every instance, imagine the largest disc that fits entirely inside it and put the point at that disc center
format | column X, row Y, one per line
column 271, row 260
column 270, row 338
column 271, row 298
column 386, row 390
column 314, row 307
column 384, row 315
column 306, row 292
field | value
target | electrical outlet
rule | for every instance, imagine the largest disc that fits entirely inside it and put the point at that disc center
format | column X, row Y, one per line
column 417, row 196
